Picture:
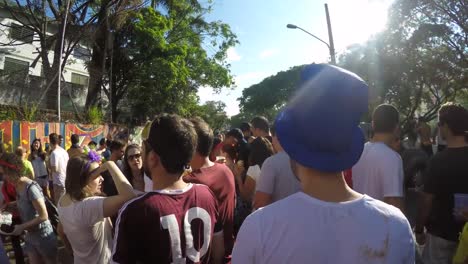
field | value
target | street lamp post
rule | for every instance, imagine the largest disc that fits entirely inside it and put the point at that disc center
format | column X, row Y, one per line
column 62, row 40
column 330, row 37
column 331, row 46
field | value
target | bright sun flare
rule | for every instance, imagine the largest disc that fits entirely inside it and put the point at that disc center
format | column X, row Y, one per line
column 354, row 21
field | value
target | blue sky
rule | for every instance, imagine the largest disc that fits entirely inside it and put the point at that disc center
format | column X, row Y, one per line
column 267, row 46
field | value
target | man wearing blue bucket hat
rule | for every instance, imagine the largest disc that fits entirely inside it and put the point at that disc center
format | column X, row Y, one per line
column 327, row 222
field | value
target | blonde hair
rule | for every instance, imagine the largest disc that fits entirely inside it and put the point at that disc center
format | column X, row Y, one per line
column 20, row 151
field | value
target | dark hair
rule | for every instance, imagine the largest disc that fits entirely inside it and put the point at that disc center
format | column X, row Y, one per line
column 456, row 118
column 260, row 149
column 108, row 142
column 231, row 151
column 127, row 171
column 174, row 139
column 40, row 152
column 116, row 145
column 245, row 126
column 17, row 164
column 92, row 143
column 54, row 139
column 261, row 123
column 385, row 118
column 216, row 142
column 204, row 135
column 236, row 133
column 77, row 178
column 102, row 141
column 75, row 139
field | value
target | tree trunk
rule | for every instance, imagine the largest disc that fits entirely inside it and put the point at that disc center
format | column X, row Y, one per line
column 97, row 64
column 115, row 112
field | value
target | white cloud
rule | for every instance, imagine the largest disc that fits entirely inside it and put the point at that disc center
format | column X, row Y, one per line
column 268, row 53
column 232, row 55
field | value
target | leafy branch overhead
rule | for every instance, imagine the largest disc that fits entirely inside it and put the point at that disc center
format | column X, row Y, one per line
column 173, row 53
column 145, row 56
column 417, row 63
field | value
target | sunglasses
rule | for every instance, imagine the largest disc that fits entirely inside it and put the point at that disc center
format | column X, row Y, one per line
column 136, row 156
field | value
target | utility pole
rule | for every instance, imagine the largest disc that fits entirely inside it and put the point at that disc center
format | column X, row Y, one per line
column 330, row 37
column 62, row 40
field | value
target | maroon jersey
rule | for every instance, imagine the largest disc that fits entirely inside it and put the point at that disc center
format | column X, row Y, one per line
column 221, row 182
column 167, row 227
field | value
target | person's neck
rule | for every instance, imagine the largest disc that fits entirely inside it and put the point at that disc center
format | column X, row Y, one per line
column 200, row 161
column 168, row 181
column 113, row 158
column 19, row 182
column 386, row 138
column 136, row 173
column 53, row 147
column 456, row 142
column 328, row 187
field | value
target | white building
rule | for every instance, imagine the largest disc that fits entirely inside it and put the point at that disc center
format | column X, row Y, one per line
column 18, row 50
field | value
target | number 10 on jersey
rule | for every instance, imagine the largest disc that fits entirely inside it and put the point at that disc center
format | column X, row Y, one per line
column 169, row 222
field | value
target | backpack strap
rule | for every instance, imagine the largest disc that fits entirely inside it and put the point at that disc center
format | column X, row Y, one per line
column 29, row 187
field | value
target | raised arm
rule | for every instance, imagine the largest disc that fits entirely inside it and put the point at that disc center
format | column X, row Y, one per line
column 124, row 188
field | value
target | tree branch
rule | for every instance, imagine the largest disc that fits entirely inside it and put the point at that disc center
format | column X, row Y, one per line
column 53, row 8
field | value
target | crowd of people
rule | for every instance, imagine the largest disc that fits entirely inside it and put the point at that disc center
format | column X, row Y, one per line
column 306, row 188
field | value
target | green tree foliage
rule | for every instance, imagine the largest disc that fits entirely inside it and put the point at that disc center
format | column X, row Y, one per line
column 45, row 19
column 418, row 63
column 171, row 56
column 270, row 95
column 213, row 112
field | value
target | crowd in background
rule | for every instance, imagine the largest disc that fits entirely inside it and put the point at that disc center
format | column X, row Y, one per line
column 306, row 188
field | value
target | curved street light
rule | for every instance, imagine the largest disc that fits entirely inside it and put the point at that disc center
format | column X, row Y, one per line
column 292, row 26
column 331, row 46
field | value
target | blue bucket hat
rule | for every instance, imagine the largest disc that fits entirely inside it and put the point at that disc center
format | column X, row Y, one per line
column 319, row 128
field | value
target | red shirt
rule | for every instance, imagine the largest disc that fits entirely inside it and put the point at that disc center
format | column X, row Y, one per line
column 221, row 182
column 9, row 195
column 167, row 227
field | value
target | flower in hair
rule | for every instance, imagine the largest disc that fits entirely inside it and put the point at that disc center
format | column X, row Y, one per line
column 94, row 157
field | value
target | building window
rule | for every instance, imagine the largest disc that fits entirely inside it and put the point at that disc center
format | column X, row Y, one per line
column 79, row 81
column 16, row 71
column 81, row 52
column 21, row 33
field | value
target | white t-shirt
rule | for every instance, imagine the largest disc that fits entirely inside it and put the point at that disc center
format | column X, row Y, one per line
column 301, row 229
column 254, row 172
column 89, row 233
column 276, row 177
column 379, row 172
column 59, row 159
column 148, row 183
